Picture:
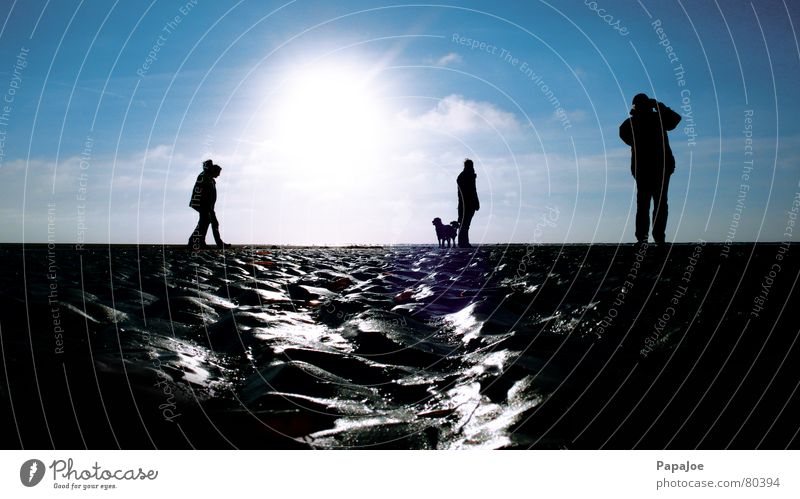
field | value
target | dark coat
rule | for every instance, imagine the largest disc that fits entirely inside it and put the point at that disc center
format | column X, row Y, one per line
column 467, row 192
column 204, row 194
column 646, row 133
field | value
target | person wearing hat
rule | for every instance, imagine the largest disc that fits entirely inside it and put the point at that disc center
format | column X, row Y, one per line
column 652, row 162
column 204, row 197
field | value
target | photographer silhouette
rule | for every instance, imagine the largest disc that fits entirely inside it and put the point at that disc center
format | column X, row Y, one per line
column 652, row 162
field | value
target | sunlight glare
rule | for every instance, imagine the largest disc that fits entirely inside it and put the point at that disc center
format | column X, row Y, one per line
column 329, row 122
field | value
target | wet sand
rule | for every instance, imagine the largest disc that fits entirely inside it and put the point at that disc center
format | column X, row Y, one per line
column 411, row 347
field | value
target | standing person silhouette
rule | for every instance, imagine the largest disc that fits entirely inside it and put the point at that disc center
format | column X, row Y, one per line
column 204, row 197
column 468, row 202
column 652, row 162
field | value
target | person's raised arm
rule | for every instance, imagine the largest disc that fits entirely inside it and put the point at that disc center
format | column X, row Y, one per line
column 669, row 118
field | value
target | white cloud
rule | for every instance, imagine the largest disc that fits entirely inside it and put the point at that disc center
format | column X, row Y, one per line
column 448, row 59
column 574, row 116
column 457, row 115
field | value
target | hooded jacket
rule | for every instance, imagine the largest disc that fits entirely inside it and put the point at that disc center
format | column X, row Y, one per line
column 204, row 194
column 646, row 133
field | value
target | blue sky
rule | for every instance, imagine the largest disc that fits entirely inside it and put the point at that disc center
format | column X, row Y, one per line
column 347, row 122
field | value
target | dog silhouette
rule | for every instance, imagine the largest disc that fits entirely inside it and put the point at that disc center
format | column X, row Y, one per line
column 445, row 233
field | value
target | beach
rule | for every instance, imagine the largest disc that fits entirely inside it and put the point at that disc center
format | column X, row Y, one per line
column 407, row 347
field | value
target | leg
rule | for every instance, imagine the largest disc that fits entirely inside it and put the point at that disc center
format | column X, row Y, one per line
column 643, row 195
column 215, row 229
column 198, row 237
column 463, row 231
column 660, row 209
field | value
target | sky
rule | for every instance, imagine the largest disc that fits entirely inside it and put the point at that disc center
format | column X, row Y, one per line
column 347, row 122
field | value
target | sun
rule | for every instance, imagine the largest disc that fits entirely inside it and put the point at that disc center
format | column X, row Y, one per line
column 329, row 119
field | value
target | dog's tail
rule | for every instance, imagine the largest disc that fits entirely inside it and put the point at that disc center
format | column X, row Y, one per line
column 454, row 224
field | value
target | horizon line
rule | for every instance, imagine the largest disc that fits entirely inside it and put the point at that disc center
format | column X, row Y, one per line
column 383, row 245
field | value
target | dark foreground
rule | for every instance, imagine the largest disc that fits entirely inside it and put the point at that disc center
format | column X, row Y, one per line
column 405, row 347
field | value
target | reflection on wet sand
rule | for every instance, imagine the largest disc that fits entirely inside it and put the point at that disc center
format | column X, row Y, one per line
column 403, row 347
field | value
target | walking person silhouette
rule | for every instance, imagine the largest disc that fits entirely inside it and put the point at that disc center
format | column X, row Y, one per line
column 468, row 202
column 204, row 197
column 652, row 162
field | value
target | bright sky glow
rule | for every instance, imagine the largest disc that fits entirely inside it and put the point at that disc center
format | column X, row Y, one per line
column 328, row 124
column 347, row 122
